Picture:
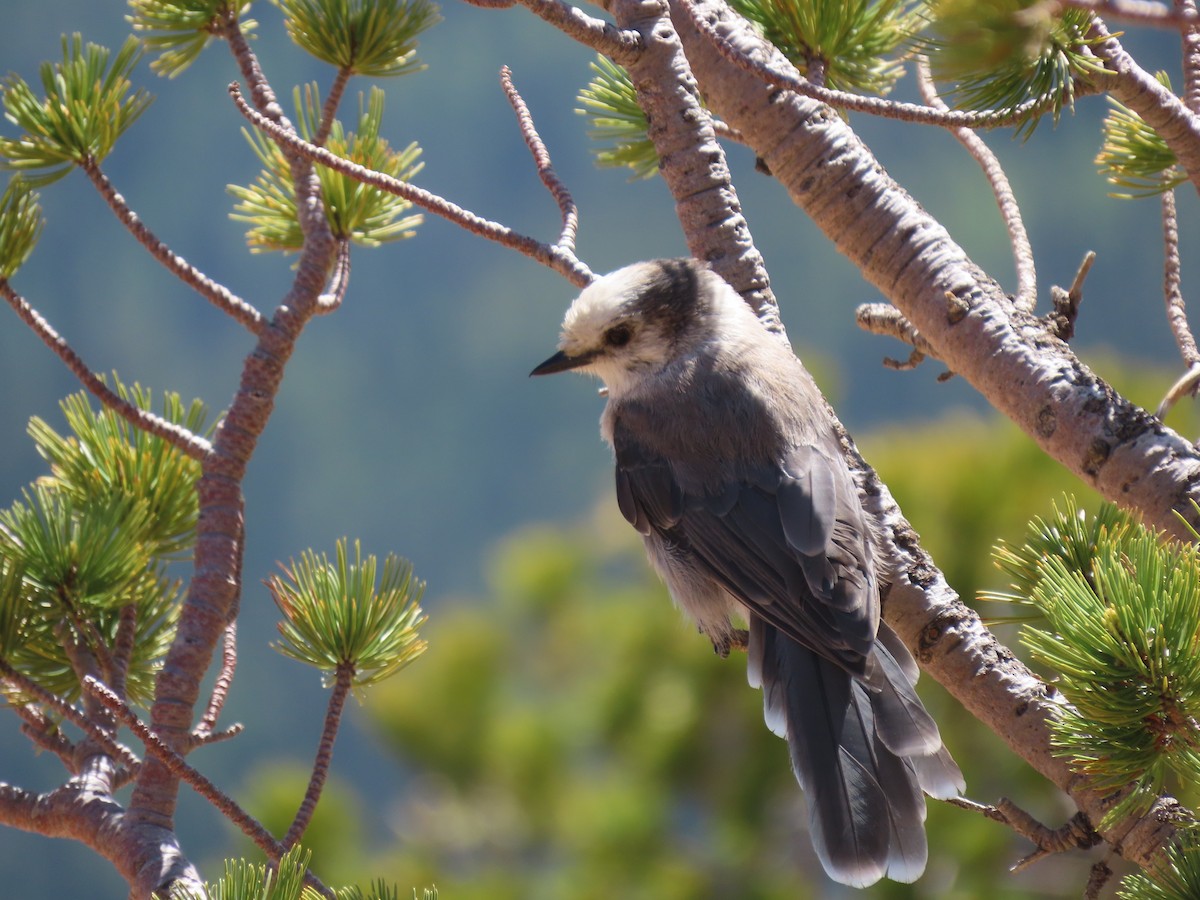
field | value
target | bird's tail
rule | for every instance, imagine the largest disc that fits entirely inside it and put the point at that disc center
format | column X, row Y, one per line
column 863, row 749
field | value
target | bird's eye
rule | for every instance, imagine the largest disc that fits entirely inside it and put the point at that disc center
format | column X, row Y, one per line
column 618, row 335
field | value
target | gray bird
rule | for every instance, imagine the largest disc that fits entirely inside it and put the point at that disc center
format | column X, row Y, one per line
column 728, row 466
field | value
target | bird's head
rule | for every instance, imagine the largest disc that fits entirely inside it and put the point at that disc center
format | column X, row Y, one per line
column 636, row 320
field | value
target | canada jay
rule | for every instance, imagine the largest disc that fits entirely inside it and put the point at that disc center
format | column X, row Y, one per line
column 728, row 466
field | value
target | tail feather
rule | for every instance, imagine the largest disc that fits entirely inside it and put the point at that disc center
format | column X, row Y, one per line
column 863, row 750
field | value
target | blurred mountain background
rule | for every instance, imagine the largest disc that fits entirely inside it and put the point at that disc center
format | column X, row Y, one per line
column 565, row 735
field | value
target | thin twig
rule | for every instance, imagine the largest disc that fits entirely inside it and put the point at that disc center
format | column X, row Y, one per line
column 339, row 281
column 216, row 737
column 333, row 718
column 541, row 159
column 220, row 691
column 330, row 107
column 261, row 91
column 1139, row 12
column 1026, row 296
column 72, row 714
column 557, row 258
column 1173, row 284
column 885, row 319
column 1075, row 834
column 216, row 294
column 45, row 734
column 888, row 109
column 1060, row 321
column 619, row 45
column 176, row 435
column 727, row 131
column 1187, row 383
column 180, row 768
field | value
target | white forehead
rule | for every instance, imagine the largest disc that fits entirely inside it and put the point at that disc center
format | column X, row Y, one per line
column 606, row 299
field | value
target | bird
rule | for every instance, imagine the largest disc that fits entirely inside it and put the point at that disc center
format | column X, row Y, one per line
column 728, row 465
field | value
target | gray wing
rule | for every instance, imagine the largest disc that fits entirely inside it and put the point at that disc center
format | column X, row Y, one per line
column 787, row 539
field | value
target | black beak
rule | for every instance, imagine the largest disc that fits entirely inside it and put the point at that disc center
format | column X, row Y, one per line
column 560, row 362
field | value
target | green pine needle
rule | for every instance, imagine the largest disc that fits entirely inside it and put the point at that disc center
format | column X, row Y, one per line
column 21, row 225
column 1000, row 54
column 86, row 107
column 93, row 538
column 1176, row 877
column 80, row 565
column 1070, row 535
column 285, row 881
column 1122, row 611
column 12, row 606
column 107, row 457
column 610, row 103
column 250, row 881
column 376, row 38
column 179, row 30
column 1134, row 155
column 363, row 214
column 853, row 42
column 337, row 617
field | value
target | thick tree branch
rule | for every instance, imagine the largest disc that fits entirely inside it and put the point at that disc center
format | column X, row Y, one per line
column 691, row 160
column 759, row 59
column 1138, row 12
column 214, row 591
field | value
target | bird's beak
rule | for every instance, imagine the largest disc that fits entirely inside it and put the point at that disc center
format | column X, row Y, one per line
column 561, row 362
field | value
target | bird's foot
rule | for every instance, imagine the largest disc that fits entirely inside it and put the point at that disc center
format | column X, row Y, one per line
column 737, row 639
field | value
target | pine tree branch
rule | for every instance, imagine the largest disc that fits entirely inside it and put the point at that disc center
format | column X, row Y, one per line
column 619, row 45
column 220, row 690
column 1138, row 12
column 545, row 169
column 45, row 734
column 261, row 92
column 123, row 648
column 216, row 294
column 554, row 257
column 158, row 749
column 884, row 319
column 1173, row 283
column 344, row 680
column 1026, row 294
column 93, row 730
column 764, row 62
column 330, row 107
column 176, row 435
column 706, row 202
column 339, row 281
column 212, row 598
column 1190, row 31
